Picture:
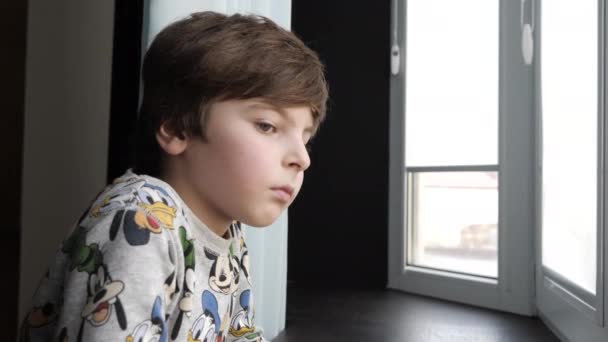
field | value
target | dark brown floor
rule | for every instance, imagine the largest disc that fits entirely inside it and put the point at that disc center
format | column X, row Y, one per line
column 391, row 316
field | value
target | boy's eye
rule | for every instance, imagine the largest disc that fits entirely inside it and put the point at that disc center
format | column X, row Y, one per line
column 265, row 127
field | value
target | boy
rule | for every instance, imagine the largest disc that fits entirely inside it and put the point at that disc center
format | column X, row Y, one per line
column 230, row 103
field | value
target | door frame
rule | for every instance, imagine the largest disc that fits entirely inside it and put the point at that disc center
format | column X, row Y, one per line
column 513, row 291
column 560, row 306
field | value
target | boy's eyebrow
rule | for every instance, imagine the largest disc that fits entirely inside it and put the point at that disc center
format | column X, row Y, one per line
column 277, row 109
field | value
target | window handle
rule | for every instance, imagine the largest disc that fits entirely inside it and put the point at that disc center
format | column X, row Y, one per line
column 395, row 54
column 527, row 32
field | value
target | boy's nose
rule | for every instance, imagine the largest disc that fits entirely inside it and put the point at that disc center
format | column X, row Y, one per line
column 298, row 156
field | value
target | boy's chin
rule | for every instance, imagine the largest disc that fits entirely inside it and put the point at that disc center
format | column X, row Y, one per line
column 260, row 221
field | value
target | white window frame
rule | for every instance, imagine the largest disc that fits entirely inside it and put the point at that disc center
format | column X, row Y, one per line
column 513, row 291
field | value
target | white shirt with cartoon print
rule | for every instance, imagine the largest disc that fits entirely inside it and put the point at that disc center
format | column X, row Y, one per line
column 139, row 266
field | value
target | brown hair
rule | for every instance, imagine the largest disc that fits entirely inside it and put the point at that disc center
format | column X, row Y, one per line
column 209, row 57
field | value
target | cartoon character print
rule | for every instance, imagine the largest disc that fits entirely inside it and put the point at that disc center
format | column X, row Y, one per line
column 186, row 303
column 245, row 260
column 102, row 291
column 236, row 230
column 39, row 320
column 207, row 327
column 156, row 210
column 102, row 296
column 63, row 335
column 153, row 329
column 225, row 271
column 242, row 322
column 171, row 288
column 35, row 321
column 115, row 196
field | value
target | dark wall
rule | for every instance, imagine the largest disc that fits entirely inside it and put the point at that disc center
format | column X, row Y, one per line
column 126, row 59
column 12, row 68
column 338, row 225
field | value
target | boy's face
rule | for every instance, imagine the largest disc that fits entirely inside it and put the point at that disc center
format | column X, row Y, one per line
column 252, row 165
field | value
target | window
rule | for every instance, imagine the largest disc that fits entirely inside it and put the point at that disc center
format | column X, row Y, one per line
column 451, row 135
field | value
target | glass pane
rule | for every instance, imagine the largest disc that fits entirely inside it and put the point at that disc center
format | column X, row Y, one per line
column 570, row 140
column 451, row 96
column 454, row 221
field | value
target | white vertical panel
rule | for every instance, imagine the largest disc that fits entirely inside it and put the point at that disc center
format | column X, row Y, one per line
column 159, row 13
column 162, row 12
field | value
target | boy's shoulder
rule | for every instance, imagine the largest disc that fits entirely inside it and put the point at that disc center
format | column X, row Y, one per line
column 141, row 205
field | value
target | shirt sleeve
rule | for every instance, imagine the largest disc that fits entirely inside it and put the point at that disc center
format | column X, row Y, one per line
column 120, row 280
column 242, row 323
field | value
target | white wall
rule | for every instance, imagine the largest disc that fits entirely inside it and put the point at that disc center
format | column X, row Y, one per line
column 67, row 105
column 267, row 246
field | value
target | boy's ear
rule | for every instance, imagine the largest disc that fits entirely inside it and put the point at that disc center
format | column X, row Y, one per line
column 172, row 144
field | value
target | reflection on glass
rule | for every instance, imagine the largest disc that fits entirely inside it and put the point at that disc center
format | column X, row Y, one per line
column 451, row 88
column 453, row 220
column 570, row 140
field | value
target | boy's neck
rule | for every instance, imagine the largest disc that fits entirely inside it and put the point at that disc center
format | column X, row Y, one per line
column 216, row 224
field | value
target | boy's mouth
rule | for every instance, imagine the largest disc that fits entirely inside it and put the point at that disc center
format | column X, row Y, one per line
column 283, row 192
column 285, row 188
